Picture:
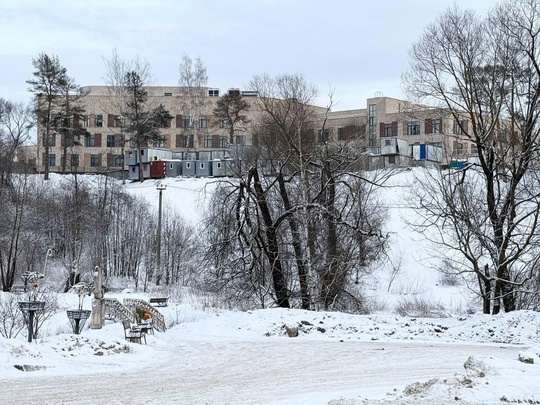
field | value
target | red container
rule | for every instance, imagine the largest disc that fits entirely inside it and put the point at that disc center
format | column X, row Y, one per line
column 158, row 168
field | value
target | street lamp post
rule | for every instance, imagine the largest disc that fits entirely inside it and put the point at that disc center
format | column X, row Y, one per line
column 160, row 188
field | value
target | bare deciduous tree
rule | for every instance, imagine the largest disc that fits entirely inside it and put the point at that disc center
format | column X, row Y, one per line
column 296, row 225
column 486, row 70
column 15, row 125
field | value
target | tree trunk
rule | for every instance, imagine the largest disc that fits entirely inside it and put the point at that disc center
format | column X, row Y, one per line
column 486, row 297
column 272, row 248
column 297, row 246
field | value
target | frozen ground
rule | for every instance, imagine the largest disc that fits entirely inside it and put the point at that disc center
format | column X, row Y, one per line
column 247, row 358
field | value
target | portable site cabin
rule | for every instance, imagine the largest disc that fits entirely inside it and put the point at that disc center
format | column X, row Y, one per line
column 427, row 152
column 394, row 146
column 218, row 154
column 203, row 168
column 191, row 156
column 174, row 168
column 146, row 155
column 204, row 155
column 134, row 171
column 219, row 168
column 188, row 167
column 158, row 169
column 178, row 155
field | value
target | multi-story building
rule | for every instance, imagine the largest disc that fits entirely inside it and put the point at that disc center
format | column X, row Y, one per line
column 393, row 128
column 193, row 127
column 393, row 131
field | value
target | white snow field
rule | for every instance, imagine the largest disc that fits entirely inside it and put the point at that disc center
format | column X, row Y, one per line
column 212, row 356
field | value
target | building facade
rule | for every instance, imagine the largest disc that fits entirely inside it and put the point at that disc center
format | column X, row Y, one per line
column 392, row 131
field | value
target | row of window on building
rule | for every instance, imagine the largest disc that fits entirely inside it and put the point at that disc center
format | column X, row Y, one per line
column 181, row 121
column 74, row 160
column 117, row 140
column 435, row 126
column 431, row 126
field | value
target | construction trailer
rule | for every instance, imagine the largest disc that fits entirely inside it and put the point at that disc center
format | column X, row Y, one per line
column 174, row 168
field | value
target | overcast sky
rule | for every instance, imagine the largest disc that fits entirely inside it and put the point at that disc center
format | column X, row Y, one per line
column 358, row 47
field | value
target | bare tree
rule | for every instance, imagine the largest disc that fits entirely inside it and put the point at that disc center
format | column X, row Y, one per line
column 193, row 79
column 485, row 71
column 15, row 125
column 293, row 227
column 117, row 69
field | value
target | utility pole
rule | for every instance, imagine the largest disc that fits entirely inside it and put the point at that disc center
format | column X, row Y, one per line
column 159, row 187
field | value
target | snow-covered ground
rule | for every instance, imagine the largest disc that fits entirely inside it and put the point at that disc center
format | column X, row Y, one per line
column 212, row 356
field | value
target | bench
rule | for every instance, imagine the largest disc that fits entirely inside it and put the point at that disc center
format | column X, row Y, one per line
column 133, row 333
column 18, row 289
column 159, row 302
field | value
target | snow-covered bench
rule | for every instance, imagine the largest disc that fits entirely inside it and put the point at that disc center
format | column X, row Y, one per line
column 159, row 302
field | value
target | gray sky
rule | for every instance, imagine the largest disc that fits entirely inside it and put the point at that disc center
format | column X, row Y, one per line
column 358, row 47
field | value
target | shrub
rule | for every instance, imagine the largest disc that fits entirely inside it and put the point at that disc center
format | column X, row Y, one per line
column 420, row 307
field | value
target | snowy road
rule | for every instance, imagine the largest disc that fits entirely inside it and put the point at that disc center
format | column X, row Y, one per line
column 261, row 371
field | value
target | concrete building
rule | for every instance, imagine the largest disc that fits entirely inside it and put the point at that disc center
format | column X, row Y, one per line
column 391, row 131
column 194, row 127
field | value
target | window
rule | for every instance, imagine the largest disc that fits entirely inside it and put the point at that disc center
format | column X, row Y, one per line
column 188, row 165
column 187, row 122
column 74, row 160
column 208, row 141
column 98, row 120
column 86, row 121
column 223, row 142
column 372, row 114
column 51, row 159
column 159, row 142
column 436, row 126
column 68, row 140
column 119, row 122
column 323, row 135
column 224, row 123
column 388, row 129
column 51, row 140
column 89, row 140
column 186, row 141
column 115, row 160
column 348, row 133
column 95, row 160
column 203, row 122
column 413, row 128
column 111, row 141
column 392, row 159
column 387, row 142
column 458, row 148
column 213, row 93
column 240, row 139
column 167, row 94
column 458, row 127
